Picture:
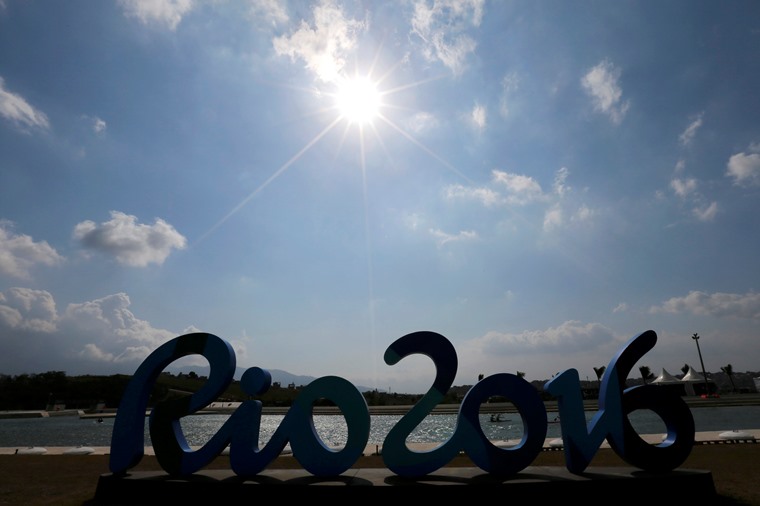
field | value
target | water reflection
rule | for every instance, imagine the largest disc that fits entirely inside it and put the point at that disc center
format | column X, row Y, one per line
column 439, row 428
column 332, row 429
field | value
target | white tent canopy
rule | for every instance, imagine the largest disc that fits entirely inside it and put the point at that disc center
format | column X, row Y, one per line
column 693, row 376
column 696, row 384
column 665, row 377
column 692, row 382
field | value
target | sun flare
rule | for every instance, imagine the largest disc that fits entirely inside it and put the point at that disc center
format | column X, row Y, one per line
column 357, row 100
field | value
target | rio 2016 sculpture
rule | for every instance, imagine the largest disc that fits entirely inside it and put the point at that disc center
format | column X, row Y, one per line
column 240, row 432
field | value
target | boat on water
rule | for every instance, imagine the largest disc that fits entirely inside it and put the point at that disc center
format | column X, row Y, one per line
column 80, row 450
column 498, row 419
column 31, row 450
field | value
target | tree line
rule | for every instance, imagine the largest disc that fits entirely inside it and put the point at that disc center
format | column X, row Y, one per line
column 55, row 390
column 48, row 390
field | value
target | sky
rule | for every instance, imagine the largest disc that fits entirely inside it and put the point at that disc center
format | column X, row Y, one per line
column 537, row 181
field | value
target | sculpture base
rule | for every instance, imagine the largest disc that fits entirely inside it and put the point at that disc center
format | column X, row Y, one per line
column 547, row 483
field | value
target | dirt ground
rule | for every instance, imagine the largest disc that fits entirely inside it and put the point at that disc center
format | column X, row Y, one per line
column 68, row 480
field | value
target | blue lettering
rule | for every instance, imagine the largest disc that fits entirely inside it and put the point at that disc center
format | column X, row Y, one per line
column 241, row 431
column 611, row 421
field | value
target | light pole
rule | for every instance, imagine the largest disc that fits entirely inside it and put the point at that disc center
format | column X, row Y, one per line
column 704, row 374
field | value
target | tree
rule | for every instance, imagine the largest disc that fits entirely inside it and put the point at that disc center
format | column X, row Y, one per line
column 480, row 376
column 599, row 372
column 520, row 374
column 685, row 368
column 646, row 373
column 729, row 370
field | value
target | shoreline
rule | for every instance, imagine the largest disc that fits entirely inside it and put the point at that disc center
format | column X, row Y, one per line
column 752, row 399
column 71, row 479
column 736, row 436
column 38, row 480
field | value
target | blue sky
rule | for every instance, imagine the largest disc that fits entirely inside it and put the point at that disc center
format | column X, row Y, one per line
column 537, row 181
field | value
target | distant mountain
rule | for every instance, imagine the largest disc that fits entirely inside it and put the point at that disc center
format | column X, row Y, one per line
column 284, row 378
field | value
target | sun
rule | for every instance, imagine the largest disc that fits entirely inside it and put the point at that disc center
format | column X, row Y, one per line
column 358, row 100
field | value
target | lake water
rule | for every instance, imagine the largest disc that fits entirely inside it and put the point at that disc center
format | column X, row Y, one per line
column 73, row 431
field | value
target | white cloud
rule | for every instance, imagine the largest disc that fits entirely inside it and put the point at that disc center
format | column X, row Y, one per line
column 323, row 48
column 19, row 253
column 98, row 125
column 706, row 213
column 102, row 331
column 241, row 349
column 744, row 169
column 510, row 189
column 478, row 116
column 93, row 353
column 440, row 26
column 19, row 111
column 620, row 308
column 132, row 244
column 686, row 190
column 584, row 213
column 268, row 11
column 421, row 122
column 688, row 135
column 560, row 179
column 723, row 305
column 135, row 354
column 602, row 85
column 442, row 238
column 684, row 187
column 27, row 309
column 508, row 84
column 570, row 337
column 111, row 317
column 166, row 12
column 553, row 218
column 520, row 189
column 486, row 196
column 413, row 221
